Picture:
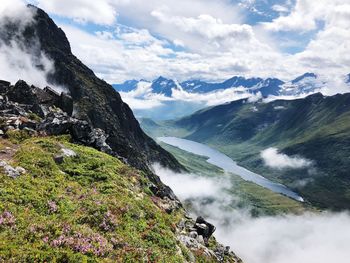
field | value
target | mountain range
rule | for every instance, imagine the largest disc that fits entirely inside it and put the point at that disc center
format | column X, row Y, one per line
column 305, row 84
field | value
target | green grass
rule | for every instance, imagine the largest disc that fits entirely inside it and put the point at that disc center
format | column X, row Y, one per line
column 90, row 208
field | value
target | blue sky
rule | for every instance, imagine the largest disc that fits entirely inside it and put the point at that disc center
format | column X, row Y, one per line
column 207, row 39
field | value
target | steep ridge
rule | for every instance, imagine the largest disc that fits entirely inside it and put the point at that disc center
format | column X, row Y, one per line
column 94, row 100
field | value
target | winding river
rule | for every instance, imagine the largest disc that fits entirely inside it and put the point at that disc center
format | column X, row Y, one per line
column 226, row 163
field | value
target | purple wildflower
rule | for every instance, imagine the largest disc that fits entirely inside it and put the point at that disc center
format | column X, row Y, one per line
column 7, row 219
column 52, row 206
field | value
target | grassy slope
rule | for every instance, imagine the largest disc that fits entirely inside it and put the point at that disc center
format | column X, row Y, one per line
column 90, row 208
column 260, row 200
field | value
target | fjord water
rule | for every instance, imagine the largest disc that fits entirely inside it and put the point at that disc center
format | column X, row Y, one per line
column 227, row 164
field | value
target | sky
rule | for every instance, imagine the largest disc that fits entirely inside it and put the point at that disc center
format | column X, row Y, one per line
column 206, row 39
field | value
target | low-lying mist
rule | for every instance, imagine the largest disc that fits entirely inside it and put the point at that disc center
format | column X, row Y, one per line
column 20, row 59
column 310, row 237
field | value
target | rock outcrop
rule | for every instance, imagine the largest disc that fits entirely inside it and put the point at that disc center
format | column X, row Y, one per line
column 44, row 112
column 195, row 239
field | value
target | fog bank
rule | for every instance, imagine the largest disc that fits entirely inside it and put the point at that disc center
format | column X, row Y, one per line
column 308, row 238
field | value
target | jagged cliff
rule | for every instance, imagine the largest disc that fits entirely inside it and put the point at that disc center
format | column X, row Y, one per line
column 94, row 100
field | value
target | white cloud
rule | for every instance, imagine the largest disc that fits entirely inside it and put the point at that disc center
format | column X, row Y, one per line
column 280, row 8
column 215, row 97
column 138, row 37
column 18, row 61
column 207, row 27
column 117, row 60
column 114, row 59
column 82, row 11
column 141, row 104
column 15, row 64
column 306, row 14
column 143, row 98
column 138, row 11
column 302, row 17
column 16, row 11
column 208, row 195
column 326, row 53
column 191, row 186
column 212, row 39
column 305, row 238
column 277, row 160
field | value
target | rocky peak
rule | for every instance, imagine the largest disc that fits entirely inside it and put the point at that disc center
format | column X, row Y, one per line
column 306, row 75
column 94, row 100
column 163, row 86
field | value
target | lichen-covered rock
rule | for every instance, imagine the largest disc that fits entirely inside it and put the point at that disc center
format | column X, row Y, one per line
column 65, row 152
column 10, row 171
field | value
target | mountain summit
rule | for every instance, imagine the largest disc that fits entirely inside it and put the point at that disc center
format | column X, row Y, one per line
column 94, row 100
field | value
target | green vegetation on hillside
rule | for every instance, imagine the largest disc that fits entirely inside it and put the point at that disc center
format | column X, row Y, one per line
column 88, row 208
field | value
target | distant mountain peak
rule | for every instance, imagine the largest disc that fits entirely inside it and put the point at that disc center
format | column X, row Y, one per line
column 164, row 86
column 161, row 79
column 306, row 75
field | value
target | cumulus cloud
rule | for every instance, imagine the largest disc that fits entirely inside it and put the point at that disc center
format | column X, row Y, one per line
column 326, row 51
column 309, row 237
column 274, row 159
column 306, row 14
column 205, row 39
column 104, row 11
column 207, row 27
column 82, row 11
